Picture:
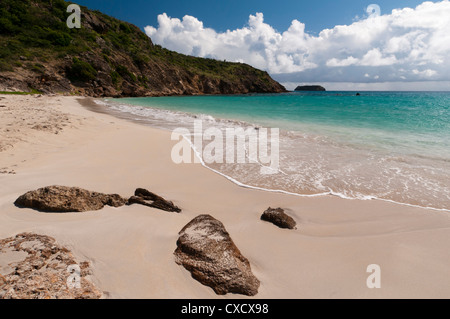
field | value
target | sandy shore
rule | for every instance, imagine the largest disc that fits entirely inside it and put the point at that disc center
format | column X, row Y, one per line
column 55, row 141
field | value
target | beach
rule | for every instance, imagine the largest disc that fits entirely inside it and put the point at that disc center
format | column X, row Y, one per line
column 54, row 140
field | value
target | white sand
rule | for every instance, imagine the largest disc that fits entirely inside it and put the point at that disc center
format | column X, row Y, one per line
column 131, row 248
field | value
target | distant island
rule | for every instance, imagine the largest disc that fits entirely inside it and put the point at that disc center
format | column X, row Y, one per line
column 310, row 88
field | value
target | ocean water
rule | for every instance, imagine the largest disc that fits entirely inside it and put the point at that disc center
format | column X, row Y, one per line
column 388, row 145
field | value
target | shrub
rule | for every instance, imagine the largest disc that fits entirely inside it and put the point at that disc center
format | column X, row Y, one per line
column 6, row 27
column 38, row 68
column 124, row 27
column 140, row 59
column 123, row 71
column 5, row 67
column 59, row 38
column 115, row 77
column 81, row 71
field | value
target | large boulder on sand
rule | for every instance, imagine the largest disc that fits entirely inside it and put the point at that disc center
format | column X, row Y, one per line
column 278, row 217
column 206, row 250
column 67, row 199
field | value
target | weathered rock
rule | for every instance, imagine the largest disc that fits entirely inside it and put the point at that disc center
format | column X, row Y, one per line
column 147, row 198
column 279, row 218
column 3, row 281
column 67, row 199
column 207, row 251
column 42, row 272
column 137, row 200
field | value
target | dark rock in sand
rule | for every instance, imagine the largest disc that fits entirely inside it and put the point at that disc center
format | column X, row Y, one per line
column 137, row 200
column 207, row 251
column 147, row 198
column 279, row 218
column 41, row 272
column 67, row 199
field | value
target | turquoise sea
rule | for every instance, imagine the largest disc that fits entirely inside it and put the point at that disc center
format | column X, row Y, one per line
column 387, row 145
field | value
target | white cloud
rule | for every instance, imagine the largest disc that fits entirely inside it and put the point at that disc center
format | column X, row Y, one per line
column 257, row 44
column 345, row 62
column 372, row 58
column 425, row 73
column 405, row 45
column 375, row 58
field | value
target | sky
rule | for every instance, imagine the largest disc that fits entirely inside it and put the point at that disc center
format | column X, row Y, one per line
column 343, row 45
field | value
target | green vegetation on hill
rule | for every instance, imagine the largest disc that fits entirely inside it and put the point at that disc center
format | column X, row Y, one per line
column 81, row 71
column 30, row 32
column 36, row 29
column 34, row 37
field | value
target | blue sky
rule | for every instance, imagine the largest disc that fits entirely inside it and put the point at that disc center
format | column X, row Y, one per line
column 232, row 14
column 335, row 43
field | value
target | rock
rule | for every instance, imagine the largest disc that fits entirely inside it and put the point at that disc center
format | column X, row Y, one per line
column 3, row 281
column 279, row 218
column 310, row 88
column 137, row 200
column 42, row 273
column 67, row 199
column 91, row 21
column 144, row 197
column 207, row 251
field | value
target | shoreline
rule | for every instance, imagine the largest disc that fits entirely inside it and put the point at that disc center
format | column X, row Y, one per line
column 92, row 105
column 131, row 248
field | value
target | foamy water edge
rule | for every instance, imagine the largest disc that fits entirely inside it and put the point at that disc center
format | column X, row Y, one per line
column 121, row 108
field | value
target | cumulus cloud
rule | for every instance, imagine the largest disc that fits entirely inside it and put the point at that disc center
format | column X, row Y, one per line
column 405, row 45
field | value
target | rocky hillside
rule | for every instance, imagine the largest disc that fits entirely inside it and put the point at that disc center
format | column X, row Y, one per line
column 106, row 57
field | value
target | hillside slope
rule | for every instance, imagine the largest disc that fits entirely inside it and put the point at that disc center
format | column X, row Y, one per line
column 106, row 57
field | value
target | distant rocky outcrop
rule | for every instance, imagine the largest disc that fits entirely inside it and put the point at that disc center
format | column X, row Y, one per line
column 67, row 199
column 147, row 198
column 106, row 57
column 206, row 250
column 36, row 267
column 278, row 217
column 310, row 88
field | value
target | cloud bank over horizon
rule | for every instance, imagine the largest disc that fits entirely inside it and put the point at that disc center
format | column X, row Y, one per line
column 406, row 45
